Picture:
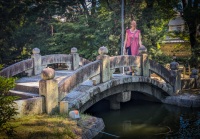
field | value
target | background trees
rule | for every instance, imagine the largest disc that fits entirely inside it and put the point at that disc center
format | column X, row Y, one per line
column 55, row 26
column 191, row 14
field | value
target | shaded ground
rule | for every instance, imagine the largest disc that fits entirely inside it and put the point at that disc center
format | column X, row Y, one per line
column 44, row 126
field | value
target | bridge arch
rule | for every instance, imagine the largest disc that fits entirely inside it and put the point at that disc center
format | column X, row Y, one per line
column 144, row 85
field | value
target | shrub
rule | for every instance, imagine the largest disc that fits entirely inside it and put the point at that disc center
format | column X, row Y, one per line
column 7, row 109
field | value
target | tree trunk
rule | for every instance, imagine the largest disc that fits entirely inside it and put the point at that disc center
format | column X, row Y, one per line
column 191, row 14
column 93, row 7
column 84, row 6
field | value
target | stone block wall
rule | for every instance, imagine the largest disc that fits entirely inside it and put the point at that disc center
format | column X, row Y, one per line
column 31, row 106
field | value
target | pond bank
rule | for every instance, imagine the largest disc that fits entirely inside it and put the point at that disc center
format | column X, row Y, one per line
column 183, row 100
column 90, row 125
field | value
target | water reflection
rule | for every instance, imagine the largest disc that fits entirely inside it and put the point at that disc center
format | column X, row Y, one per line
column 141, row 119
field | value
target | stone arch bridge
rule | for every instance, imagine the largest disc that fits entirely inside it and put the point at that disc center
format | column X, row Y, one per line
column 86, row 83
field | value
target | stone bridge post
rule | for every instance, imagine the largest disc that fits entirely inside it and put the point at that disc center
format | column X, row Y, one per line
column 75, row 58
column 116, row 99
column 105, row 73
column 48, row 87
column 144, row 61
column 37, row 62
column 176, row 76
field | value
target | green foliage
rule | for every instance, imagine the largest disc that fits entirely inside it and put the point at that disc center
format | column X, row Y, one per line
column 7, row 109
column 86, row 28
column 157, row 55
column 191, row 14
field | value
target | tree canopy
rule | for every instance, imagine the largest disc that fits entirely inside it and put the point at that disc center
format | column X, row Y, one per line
column 191, row 14
column 54, row 26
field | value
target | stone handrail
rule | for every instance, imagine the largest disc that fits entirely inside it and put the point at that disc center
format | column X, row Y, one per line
column 124, row 61
column 37, row 62
column 79, row 76
column 101, row 71
column 56, row 58
column 170, row 76
column 17, row 68
column 160, row 71
column 83, row 61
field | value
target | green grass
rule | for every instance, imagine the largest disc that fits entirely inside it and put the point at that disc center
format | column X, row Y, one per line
column 45, row 127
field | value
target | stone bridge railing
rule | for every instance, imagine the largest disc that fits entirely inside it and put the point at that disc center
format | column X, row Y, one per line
column 172, row 76
column 37, row 62
column 102, row 69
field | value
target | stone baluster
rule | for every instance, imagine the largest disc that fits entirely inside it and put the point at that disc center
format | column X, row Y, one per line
column 105, row 73
column 194, row 75
column 144, row 61
column 75, row 58
column 176, row 76
column 48, row 87
column 37, row 62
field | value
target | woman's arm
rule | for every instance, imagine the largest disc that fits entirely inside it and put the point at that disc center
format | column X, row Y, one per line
column 125, row 40
column 140, row 39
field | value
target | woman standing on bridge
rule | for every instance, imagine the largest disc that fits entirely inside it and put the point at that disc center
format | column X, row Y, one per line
column 132, row 41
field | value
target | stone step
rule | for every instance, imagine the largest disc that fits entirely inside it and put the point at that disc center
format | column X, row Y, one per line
column 24, row 88
column 22, row 95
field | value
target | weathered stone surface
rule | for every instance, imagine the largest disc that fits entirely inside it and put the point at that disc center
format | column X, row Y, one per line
column 142, row 50
column 36, row 51
column 183, row 100
column 103, row 50
column 91, row 126
column 83, row 61
column 124, row 96
column 105, row 73
column 116, row 99
column 175, row 80
column 49, row 89
column 64, row 107
column 17, row 68
column 194, row 73
column 56, row 58
column 96, row 79
column 74, row 50
column 124, row 61
column 48, row 74
column 37, row 66
column 161, row 71
column 22, row 95
column 189, row 83
column 79, row 76
column 117, row 85
column 174, row 65
column 30, row 106
column 145, row 65
column 103, row 69
column 75, row 61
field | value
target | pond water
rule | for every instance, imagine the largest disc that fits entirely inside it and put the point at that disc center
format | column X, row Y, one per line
column 143, row 119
